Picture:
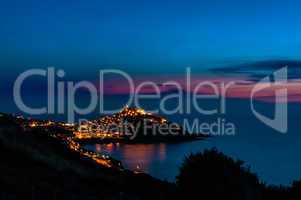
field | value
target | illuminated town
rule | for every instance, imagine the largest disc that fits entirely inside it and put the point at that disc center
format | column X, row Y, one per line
column 110, row 127
column 65, row 133
column 72, row 135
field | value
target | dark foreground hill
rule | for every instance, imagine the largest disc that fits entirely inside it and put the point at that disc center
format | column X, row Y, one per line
column 36, row 166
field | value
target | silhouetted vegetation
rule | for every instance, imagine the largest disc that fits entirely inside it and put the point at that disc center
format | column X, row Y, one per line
column 216, row 176
column 213, row 175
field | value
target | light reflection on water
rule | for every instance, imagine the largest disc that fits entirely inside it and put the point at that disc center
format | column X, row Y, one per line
column 159, row 160
column 142, row 155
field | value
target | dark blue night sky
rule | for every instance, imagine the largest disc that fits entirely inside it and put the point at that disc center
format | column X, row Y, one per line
column 140, row 36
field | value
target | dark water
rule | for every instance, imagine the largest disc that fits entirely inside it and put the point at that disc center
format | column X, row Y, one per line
column 276, row 161
column 274, row 156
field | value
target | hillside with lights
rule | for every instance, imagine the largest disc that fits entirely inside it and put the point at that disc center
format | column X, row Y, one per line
column 41, row 161
column 132, row 125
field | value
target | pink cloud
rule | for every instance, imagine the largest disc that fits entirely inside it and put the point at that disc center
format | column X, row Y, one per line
column 242, row 87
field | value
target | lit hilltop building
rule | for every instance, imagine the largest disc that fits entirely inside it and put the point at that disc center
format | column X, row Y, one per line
column 108, row 126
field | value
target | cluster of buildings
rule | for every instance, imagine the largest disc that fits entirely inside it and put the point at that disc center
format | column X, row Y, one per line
column 113, row 126
column 64, row 133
